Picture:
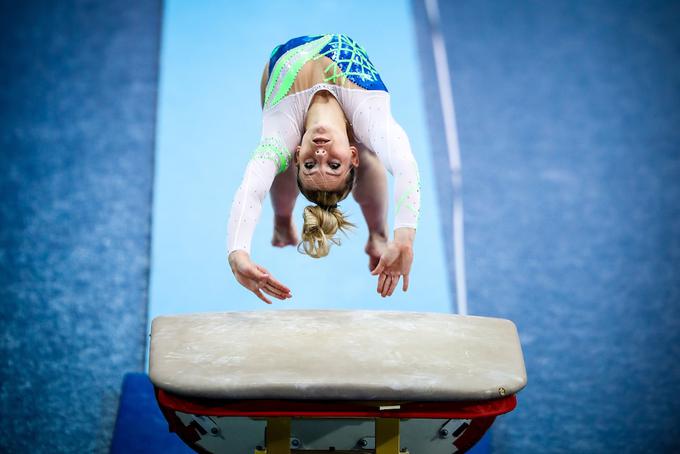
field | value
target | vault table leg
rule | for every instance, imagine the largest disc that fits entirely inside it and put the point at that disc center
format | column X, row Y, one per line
column 386, row 436
column 278, row 436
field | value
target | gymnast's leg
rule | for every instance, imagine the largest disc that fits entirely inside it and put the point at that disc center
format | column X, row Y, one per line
column 370, row 192
column 284, row 192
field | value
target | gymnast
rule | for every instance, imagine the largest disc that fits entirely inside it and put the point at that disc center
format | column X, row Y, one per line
column 327, row 131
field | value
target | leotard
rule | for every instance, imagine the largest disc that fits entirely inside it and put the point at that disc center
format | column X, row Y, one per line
column 283, row 116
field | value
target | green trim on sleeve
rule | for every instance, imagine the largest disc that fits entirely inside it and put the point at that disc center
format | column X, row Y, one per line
column 402, row 200
column 273, row 149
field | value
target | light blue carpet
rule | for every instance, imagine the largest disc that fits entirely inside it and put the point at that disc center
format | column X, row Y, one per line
column 209, row 124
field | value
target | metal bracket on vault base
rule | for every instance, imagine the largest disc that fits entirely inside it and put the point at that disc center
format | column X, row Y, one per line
column 277, row 439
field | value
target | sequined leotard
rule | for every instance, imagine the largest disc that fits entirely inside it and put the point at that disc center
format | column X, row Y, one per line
column 367, row 109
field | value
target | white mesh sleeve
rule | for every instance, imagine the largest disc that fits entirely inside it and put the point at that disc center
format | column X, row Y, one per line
column 374, row 125
column 280, row 135
column 247, row 204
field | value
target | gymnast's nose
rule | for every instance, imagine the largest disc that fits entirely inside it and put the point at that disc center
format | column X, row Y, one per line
column 320, row 151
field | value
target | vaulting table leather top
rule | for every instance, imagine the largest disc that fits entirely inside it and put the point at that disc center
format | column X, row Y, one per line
column 336, row 355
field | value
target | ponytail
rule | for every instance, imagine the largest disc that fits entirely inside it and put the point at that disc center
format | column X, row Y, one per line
column 320, row 226
column 323, row 220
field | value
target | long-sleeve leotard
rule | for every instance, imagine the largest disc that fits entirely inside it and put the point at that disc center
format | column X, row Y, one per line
column 371, row 119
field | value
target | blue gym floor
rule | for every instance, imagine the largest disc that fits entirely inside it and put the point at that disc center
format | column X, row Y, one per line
column 125, row 129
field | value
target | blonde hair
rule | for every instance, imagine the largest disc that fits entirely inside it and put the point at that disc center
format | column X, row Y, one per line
column 320, row 226
column 323, row 220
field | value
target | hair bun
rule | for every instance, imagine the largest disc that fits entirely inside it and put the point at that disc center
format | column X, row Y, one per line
column 320, row 226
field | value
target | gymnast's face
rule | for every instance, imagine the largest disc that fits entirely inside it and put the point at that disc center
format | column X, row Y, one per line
column 324, row 158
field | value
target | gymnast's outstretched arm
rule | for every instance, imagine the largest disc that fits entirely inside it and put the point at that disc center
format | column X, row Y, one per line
column 377, row 129
column 245, row 212
column 259, row 178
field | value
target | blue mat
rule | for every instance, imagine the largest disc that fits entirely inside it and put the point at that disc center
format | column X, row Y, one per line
column 140, row 425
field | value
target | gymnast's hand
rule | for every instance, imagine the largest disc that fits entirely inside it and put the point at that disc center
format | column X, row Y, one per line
column 255, row 278
column 395, row 262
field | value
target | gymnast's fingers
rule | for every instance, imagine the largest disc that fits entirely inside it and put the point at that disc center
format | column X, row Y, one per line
column 381, row 282
column 386, row 286
column 280, row 287
column 393, row 285
column 273, row 291
column 259, row 294
column 277, row 285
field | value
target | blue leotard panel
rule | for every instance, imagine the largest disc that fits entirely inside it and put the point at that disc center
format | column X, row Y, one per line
column 347, row 54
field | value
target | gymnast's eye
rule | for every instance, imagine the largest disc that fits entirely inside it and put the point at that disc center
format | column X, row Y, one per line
column 309, row 164
column 334, row 165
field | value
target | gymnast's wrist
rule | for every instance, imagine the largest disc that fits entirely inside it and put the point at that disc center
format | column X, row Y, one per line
column 404, row 236
column 236, row 256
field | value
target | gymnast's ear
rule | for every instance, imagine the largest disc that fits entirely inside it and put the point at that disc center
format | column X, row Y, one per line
column 296, row 155
column 355, row 155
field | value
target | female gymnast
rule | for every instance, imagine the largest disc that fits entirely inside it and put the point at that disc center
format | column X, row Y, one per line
column 327, row 131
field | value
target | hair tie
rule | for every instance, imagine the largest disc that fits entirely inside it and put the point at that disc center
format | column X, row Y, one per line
column 329, row 207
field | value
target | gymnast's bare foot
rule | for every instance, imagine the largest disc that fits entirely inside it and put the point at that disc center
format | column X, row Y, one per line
column 375, row 246
column 285, row 233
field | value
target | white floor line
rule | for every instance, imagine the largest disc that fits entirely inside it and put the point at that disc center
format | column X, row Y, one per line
column 453, row 147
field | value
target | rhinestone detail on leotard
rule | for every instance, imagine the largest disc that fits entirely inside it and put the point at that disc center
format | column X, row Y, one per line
column 273, row 149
